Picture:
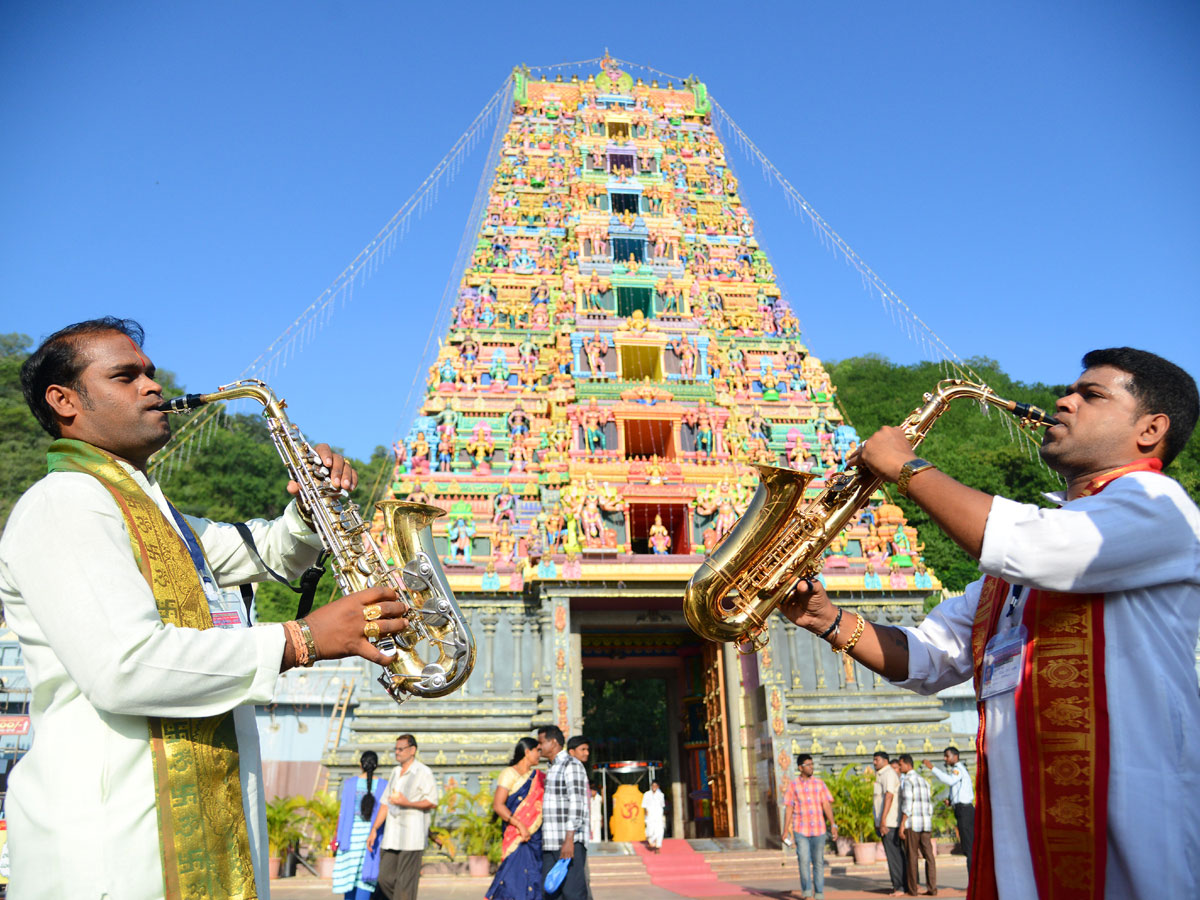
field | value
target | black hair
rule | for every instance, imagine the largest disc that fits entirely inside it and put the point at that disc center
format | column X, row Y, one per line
column 524, row 745
column 952, row 749
column 906, row 758
column 882, row 754
column 1159, row 386
column 369, row 762
column 578, row 741
column 553, row 732
column 60, row 360
column 542, row 729
column 408, row 737
column 802, row 758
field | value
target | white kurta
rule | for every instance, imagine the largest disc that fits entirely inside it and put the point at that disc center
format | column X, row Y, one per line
column 81, row 803
column 655, row 804
column 1138, row 543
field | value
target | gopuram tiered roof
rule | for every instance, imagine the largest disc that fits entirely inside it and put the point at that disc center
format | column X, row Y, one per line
column 620, row 353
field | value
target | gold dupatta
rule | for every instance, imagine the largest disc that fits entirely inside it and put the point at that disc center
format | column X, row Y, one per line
column 204, row 844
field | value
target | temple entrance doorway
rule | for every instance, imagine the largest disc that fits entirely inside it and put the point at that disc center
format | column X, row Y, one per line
column 650, row 697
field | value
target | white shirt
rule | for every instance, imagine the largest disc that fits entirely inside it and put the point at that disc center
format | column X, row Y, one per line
column 81, row 804
column 406, row 828
column 1138, row 543
column 886, row 782
column 655, row 804
column 959, row 780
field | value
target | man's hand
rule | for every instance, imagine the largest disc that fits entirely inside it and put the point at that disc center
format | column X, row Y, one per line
column 399, row 799
column 883, row 830
column 809, row 607
column 337, row 627
column 884, row 453
column 341, row 475
column 902, row 832
column 927, row 764
column 568, row 847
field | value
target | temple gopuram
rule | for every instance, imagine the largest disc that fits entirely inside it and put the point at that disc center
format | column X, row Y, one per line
column 619, row 356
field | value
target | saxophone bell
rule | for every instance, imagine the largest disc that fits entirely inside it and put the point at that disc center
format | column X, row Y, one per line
column 781, row 539
column 435, row 654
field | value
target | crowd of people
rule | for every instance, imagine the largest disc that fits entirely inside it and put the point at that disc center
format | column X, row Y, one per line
column 546, row 816
column 903, row 809
column 138, row 646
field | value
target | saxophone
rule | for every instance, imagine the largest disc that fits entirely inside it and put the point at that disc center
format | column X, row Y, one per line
column 436, row 630
column 776, row 543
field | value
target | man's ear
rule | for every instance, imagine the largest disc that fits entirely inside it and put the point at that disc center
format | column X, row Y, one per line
column 1152, row 433
column 64, row 402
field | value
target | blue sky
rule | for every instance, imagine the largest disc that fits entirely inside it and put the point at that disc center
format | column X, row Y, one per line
column 1023, row 175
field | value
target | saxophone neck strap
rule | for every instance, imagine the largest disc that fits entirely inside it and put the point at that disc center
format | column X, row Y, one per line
column 308, row 581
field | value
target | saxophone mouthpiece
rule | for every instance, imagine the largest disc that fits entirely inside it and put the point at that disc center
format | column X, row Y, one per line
column 181, row 404
column 1034, row 415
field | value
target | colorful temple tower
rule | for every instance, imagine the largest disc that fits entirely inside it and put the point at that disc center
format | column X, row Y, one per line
column 619, row 355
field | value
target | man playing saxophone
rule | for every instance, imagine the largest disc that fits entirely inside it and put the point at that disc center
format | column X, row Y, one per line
column 1080, row 638
column 144, row 778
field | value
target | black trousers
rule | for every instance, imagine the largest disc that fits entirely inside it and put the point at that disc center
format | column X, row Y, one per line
column 964, row 814
column 575, row 885
column 399, row 874
column 894, row 851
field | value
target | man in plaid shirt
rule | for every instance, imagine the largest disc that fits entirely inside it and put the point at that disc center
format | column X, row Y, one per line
column 916, row 825
column 808, row 805
column 564, row 815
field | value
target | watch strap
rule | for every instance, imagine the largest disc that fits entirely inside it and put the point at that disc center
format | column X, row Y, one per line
column 908, row 470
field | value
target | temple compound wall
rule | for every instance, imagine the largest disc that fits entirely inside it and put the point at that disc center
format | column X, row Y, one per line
column 620, row 357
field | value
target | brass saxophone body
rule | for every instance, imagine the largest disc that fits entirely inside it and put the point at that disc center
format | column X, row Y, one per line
column 435, row 654
column 779, row 540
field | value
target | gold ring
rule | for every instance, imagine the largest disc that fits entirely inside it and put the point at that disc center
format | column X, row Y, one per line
column 371, row 630
column 372, row 612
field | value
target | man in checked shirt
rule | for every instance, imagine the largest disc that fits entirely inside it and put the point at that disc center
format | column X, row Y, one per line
column 564, row 815
column 916, row 825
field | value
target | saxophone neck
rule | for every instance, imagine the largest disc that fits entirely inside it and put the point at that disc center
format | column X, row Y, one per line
column 246, row 389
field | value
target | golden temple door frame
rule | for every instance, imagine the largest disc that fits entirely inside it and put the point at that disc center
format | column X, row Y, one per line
column 718, row 742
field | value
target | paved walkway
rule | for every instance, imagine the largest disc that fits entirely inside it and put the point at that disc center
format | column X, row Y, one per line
column 759, row 874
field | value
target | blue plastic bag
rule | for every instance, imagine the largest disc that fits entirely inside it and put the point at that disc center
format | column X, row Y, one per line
column 555, row 877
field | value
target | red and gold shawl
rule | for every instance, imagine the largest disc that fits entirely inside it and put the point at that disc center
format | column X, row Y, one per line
column 1062, row 735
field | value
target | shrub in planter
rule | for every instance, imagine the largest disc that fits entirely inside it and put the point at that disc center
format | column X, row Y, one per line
column 852, row 810
column 470, row 827
column 283, row 828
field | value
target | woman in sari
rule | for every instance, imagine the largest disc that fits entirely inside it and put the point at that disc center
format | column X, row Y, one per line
column 356, row 869
column 518, row 803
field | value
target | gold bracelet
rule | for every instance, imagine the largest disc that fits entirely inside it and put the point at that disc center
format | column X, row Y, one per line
column 858, row 630
column 309, row 644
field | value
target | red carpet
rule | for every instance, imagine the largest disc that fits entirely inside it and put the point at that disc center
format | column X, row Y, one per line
column 681, row 869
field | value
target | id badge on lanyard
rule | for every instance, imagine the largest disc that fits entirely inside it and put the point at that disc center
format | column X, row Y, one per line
column 1003, row 662
column 225, row 607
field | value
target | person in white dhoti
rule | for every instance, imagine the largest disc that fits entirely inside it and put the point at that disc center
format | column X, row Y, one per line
column 1081, row 638
column 654, row 805
column 596, row 817
column 141, row 659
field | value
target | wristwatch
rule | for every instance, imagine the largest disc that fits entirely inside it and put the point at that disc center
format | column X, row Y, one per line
column 908, row 470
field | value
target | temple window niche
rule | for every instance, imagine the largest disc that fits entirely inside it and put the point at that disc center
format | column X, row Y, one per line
column 633, row 298
column 623, row 202
column 618, row 161
column 617, row 130
column 645, row 438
